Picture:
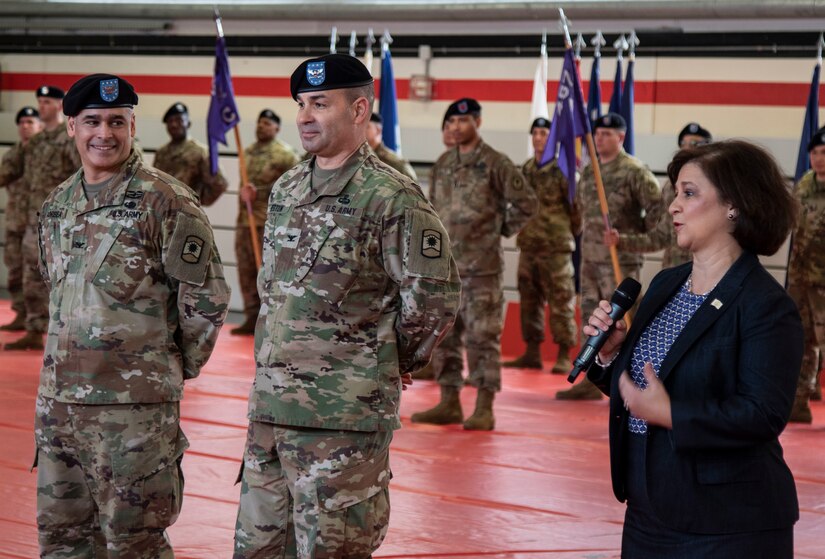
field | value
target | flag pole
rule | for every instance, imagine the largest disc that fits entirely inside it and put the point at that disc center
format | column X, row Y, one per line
column 253, row 226
column 597, row 173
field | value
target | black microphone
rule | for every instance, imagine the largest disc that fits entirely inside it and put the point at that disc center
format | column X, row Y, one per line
column 623, row 298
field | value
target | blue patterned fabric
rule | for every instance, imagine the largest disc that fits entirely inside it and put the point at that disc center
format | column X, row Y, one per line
column 658, row 336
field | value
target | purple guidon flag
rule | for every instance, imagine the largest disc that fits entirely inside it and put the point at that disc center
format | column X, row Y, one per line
column 569, row 122
column 223, row 112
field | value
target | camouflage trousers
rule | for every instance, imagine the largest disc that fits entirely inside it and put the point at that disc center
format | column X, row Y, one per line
column 35, row 291
column 599, row 282
column 248, row 270
column 478, row 326
column 312, row 493
column 13, row 259
column 811, row 304
column 547, row 277
column 108, row 479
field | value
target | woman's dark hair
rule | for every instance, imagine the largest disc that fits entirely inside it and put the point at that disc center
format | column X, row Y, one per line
column 748, row 178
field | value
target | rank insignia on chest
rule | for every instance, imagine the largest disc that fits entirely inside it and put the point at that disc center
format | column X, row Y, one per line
column 291, row 238
column 192, row 249
column 431, row 243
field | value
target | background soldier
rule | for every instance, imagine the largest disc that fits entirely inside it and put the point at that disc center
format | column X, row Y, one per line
column 266, row 160
column 186, row 159
column 385, row 154
column 480, row 195
column 545, row 260
column 806, row 274
column 635, row 203
column 358, row 285
column 28, row 124
column 137, row 299
column 49, row 158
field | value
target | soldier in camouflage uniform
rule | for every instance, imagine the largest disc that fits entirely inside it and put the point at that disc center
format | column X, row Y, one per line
column 137, row 296
column 481, row 196
column 635, row 203
column 545, row 260
column 385, row 154
column 186, row 159
column 48, row 159
column 357, row 287
column 806, row 274
column 266, row 160
column 11, row 176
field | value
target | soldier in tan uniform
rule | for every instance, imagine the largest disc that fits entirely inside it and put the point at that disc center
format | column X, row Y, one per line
column 266, row 160
column 806, row 275
column 137, row 297
column 358, row 285
column 481, row 196
column 48, row 159
column 545, row 261
column 385, row 154
column 635, row 203
column 187, row 159
column 11, row 176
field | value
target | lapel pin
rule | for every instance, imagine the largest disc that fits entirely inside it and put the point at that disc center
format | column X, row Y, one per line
column 716, row 304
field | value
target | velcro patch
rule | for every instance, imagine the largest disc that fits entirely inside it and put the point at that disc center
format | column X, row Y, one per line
column 190, row 250
column 427, row 254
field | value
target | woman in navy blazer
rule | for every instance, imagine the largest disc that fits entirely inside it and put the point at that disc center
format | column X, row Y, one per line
column 702, row 384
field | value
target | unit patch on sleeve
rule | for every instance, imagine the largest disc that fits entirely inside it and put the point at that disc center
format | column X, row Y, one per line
column 189, row 252
column 427, row 254
column 431, row 243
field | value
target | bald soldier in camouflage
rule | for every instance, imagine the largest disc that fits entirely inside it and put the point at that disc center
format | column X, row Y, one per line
column 385, row 154
column 481, row 196
column 358, row 285
column 545, row 260
column 11, row 177
column 806, row 274
column 49, row 158
column 266, row 160
column 187, row 159
column 635, row 203
column 137, row 296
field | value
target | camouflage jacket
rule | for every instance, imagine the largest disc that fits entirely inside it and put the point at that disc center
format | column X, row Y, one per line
column 357, row 286
column 386, row 155
column 807, row 266
column 557, row 221
column 480, row 196
column 11, row 177
column 634, row 201
column 188, row 161
column 137, row 291
column 265, row 163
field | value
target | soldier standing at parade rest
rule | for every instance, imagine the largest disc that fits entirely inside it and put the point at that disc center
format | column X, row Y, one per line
column 358, row 285
column 266, row 160
column 11, row 176
column 49, row 158
column 186, row 159
column 635, row 203
column 545, row 260
column 806, row 275
column 137, row 297
column 385, row 154
column 481, row 196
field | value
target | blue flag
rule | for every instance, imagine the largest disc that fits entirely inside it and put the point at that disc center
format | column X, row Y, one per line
column 616, row 98
column 569, row 122
column 594, row 94
column 223, row 112
column 810, row 127
column 628, row 105
column 388, row 105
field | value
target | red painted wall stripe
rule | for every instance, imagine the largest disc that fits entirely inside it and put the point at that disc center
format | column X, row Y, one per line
column 663, row 92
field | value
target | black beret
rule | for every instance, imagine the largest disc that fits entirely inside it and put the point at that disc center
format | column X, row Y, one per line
column 331, row 71
column 695, row 129
column 99, row 91
column 818, row 139
column 465, row 106
column 540, row 122
column 176, row 109
column 24, row 112
column 375, row 117
column 611, row 120
column 50, row 91
column 270, row 114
